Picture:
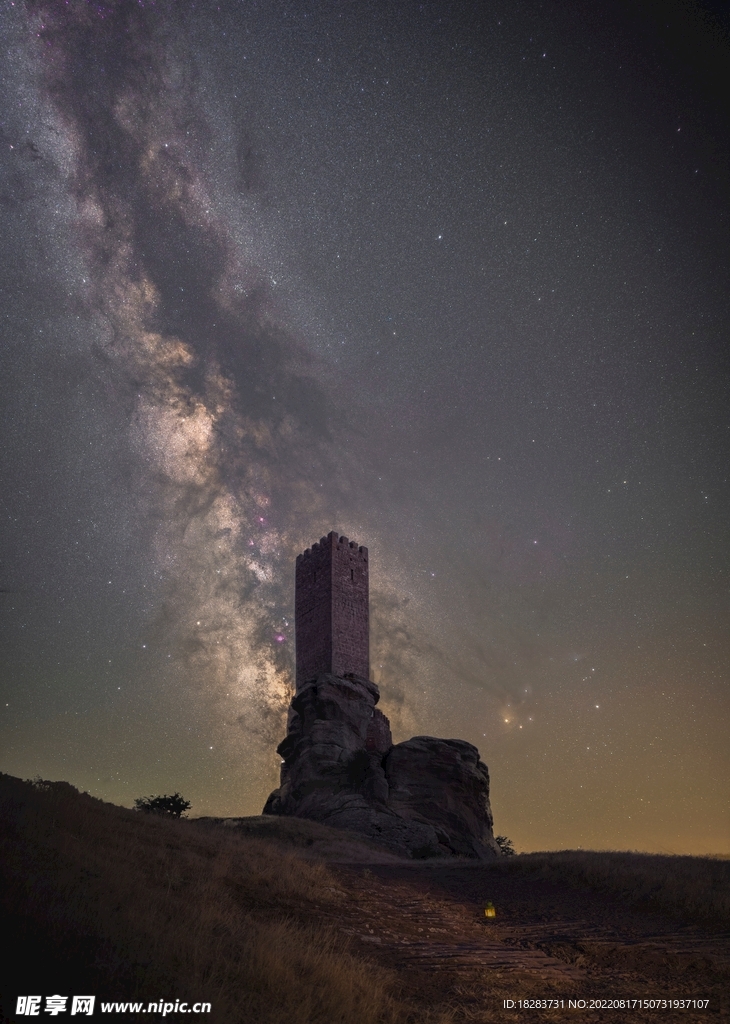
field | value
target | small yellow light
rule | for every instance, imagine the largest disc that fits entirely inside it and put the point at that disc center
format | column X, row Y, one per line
column 489, row 910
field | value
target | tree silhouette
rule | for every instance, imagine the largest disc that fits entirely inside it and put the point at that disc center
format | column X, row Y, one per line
column 166, row 806
column 505, row 845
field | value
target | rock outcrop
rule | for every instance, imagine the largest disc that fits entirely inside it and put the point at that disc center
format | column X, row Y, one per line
column 426, row 797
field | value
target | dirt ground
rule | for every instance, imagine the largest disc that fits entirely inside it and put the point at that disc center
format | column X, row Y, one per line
column 580, row 954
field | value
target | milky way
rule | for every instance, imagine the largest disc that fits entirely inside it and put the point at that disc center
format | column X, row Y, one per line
column 453, row 283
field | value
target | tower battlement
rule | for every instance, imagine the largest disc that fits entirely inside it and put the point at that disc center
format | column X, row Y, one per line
column 331, row 610
column 318, row 546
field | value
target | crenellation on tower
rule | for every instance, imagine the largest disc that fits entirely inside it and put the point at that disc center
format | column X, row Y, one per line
column 331, row 610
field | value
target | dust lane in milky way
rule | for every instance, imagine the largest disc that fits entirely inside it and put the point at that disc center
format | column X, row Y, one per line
column 452, row 282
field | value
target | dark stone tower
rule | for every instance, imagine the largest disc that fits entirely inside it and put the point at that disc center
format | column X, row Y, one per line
column 422, row 798
column 331, row 610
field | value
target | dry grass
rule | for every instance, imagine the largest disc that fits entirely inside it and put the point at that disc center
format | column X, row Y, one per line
column 309, row 839
column 693, row 888
column 102, row 900
column 129, row 906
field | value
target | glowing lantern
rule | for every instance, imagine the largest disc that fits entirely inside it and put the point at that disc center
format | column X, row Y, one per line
column 489, row 910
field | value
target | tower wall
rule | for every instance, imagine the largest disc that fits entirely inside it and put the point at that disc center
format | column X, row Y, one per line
column 331, row 610
column 313, row 611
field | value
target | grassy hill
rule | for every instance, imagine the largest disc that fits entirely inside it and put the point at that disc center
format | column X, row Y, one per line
column 104, row 900
column 692, row 889
column 243, row 913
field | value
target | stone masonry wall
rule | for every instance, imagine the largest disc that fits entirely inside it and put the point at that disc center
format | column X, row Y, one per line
column 350, row 615
column 312, row 612
column 331, row 610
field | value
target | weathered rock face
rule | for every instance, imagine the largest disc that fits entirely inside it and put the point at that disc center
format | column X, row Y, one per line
column 425, row 797
column 444, row 783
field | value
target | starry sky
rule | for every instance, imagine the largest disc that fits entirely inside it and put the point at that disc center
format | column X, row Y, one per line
column 448, row 278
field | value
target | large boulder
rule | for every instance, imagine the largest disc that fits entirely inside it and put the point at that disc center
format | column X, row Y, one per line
column 444, row 783
column 425, row 797
column 332, row 754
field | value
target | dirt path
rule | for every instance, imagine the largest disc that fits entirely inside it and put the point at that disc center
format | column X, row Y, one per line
column 548, row 941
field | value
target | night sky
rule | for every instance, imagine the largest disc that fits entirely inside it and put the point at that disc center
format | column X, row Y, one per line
column 448, row 278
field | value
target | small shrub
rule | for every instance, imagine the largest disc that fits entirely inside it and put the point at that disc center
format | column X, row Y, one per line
column 505, row 845
column 166, row 806
column 425, row 852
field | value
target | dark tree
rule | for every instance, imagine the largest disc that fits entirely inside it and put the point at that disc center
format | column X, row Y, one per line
column 505, row 845
column 166, row 806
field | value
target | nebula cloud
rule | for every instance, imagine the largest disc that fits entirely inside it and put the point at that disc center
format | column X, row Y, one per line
column 224, row 463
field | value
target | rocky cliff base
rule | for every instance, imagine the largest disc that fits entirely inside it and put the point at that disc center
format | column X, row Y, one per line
column 425, row 797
